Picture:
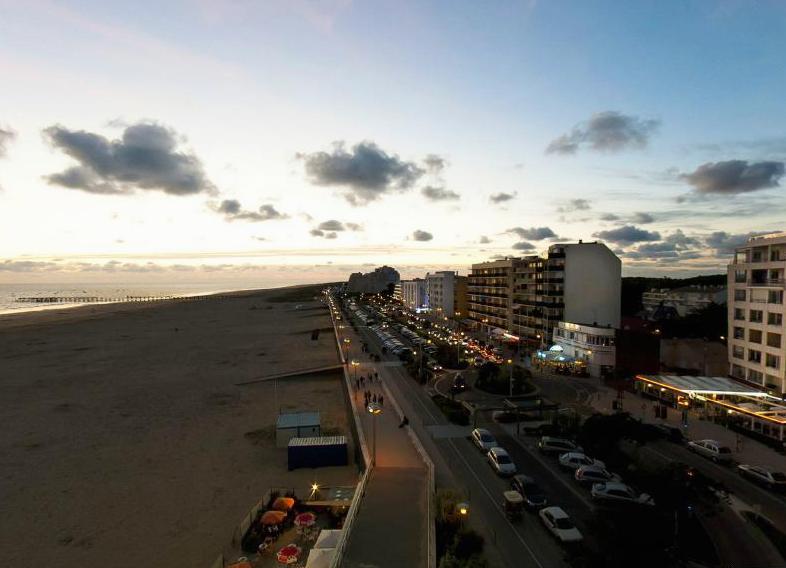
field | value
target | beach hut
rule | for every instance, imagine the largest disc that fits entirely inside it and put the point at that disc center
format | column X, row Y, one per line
column 296, row 425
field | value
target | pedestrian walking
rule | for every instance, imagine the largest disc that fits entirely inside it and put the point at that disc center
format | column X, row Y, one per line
column 376, row 375
column 362, row 380
column 357, row 384
column 365, row 396
column 374, row 397
column 380, row 400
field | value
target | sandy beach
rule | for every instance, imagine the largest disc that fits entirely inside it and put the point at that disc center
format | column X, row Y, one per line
column 125, row 439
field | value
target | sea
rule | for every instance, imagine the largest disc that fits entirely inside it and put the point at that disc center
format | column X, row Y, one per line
column 10, row 293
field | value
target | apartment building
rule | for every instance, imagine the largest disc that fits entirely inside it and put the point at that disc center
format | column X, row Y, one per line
column 441, row 292
column 413, row 293
column 489, row 293
column 460, row 305
column 681, row 301
column 756, row 283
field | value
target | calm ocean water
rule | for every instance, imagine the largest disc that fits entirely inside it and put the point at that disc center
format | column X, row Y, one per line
column 10, row 292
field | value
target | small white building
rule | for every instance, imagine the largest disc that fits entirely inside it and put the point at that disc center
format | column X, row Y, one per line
column 296, row 425
column 591, row 344
column 413, row 293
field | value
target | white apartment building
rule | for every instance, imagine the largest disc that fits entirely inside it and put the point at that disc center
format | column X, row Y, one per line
column 684, row 300
column 440, row 292
column 756, row 282
column 413, row 293
column 592, row 345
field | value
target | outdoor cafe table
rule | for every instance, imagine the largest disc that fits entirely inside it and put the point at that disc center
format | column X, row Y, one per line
column 289, row 554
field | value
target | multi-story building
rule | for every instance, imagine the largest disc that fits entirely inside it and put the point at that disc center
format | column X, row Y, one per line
column 460, row 305
column 381, row 279
column 413, row 293
column 489, row 293
column 756, row 282
column 440, row 292
column 684, row 300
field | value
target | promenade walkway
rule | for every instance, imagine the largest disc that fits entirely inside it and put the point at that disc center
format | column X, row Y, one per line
column 391, row 528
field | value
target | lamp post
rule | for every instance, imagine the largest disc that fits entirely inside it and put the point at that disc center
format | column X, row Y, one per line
column 375, row 409
column 347, row 341
column 355, row 365
column 510, row 363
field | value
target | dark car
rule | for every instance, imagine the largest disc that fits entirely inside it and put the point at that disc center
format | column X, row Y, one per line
column 670, row 433
column 534, row 498
column 459, row 384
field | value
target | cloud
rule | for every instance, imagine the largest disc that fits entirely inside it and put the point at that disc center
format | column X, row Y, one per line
column 502, row 197
column 331, row 225
column 609, row 217
column 523, row 245
column 607, row 131
column 434, row 164
column 533, row 233
column 628, row 234
column 734, row 176
column 366, row 171
column 353, row 226
column 574, row 205
column 681, row 241
column 422, row 236
column 725, row 243
column 434, row 193
column 6, row 137
column 233, row 211
column 643, row 218
column 145, row 157
column 323, row 234
column 484, row 240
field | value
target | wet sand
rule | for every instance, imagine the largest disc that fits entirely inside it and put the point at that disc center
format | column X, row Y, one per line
column 124, row 439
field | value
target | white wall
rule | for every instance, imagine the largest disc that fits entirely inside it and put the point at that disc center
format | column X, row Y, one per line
column 593, row 285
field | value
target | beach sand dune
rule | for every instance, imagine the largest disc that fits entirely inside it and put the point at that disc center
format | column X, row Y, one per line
column 125, row 440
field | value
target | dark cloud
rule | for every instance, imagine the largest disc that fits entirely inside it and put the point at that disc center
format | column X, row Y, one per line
column 574, row 205
column 366, row 171
column 609, row 217
column 422, row 236
column 331, row 225
column 533, row 233
column 725, row 243
column 6, row 137
column 523, row 245
column 642, row 218
column 484, row 240
column 627, row 234
column 323, row 234
column 653, row 251
column 502, row 197
column 681, row 241
column 145, row 157
column 608, row 131
column 734, row 176
column 434, row 193
column 233, row 211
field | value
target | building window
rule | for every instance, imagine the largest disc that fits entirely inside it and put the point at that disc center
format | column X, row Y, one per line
column 773, row 382
column 738, row 352
column 756, row 316
column 754, row 336
column 754, row 356
column 775, row 296
column 739, row 333
column 772, row 361
column 755, row 376
column 739, row 294
column 739, row 314
column 773, row 339
column 775, row 319
column 737, row 371
column 740, row 276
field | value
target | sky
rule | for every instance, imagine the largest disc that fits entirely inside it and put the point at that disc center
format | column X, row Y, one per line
column 153, row 140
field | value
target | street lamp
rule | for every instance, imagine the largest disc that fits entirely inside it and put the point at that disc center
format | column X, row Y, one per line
column 375, row 409
column 510, row 362
column 347, row 341
column 355, row 365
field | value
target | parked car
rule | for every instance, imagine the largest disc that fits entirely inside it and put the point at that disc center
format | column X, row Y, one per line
column 549, row 445
column 500, row 462
column 764, row 476
column 559, row 524
column 483, row 439
column 574, row 460
column 670, row 433
column 614, row 491
column 534, row 498
column 503, row 416
column 595, row 474
column 711, row 449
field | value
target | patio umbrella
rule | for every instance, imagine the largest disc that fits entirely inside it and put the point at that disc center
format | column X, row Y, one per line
column 305, row 519
column 289, row 554
column 272, row 517
column 283, row 504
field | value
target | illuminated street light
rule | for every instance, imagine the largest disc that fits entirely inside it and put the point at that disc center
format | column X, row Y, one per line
column 355, row 365
column 375, row 409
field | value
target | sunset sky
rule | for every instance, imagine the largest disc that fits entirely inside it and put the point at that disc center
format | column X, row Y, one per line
column 149, row 138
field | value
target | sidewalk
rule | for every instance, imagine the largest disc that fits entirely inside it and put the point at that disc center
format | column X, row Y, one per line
column 391, row 528
column 744, row 449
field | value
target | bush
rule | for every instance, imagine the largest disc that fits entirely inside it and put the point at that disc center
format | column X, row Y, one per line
column 453, row 411
column 492, row 379
column 466, row 544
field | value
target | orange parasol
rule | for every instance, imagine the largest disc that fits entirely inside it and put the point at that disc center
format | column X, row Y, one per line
column 283, row 504
column 273, row 517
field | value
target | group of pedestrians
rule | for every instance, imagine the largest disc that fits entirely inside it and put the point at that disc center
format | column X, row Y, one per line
column 361, row 380
column 373, row 397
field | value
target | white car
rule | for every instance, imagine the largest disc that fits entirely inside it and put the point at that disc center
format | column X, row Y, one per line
column 560, row 525
column 711, row 449
column 483, row 439
column 769, row 478
column 595, row 474
column 574, row 460
column 500, row 462
column 619, row 492
column 550, row 445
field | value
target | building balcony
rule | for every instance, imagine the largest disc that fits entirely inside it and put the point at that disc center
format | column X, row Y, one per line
column 769, row 282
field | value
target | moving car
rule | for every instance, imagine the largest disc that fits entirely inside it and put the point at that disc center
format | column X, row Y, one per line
column 574, row 460
column 614, row 491
column 500, row 461
column 529, row 490
column 459, row 384
column 595, row 474
column 549, row 445
column 559, row 524
column 483, row 439
column 711, row 449
column 764, row 476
